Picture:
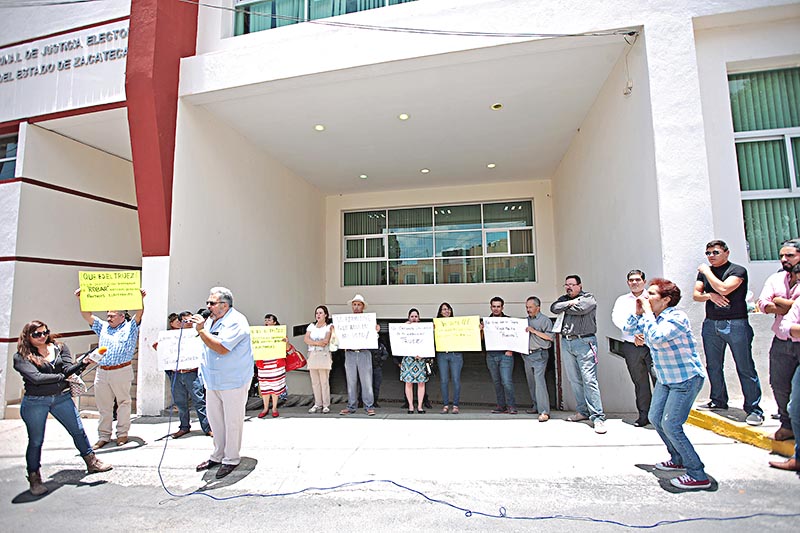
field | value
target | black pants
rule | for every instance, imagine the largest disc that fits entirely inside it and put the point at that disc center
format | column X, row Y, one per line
column 784, row 356
column 640, row 367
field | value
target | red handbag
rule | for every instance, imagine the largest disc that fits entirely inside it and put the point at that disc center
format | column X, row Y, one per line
column 294, row 359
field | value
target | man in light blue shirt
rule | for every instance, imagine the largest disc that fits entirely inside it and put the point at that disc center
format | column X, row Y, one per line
column 226, row 371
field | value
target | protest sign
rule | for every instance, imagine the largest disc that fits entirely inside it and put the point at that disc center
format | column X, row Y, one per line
column 505, row 333
column 415, row 339
column 110, row 291
column 181, row 346
column 356, row 331
column 457, row 334
column 267, row 342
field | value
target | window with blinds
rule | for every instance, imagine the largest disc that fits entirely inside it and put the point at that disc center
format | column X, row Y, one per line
column 472, row 243
column 765, row 107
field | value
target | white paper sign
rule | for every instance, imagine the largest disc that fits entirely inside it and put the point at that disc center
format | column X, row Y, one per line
column 356, row 331
column 415, row 339
column 506, row 333
column 191, row 349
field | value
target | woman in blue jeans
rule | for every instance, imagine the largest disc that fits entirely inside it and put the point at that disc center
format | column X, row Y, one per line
column 45, row 366
column 450, row 364
column 680, row 374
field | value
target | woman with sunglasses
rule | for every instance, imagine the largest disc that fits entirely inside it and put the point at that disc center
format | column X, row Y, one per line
column 45, row 366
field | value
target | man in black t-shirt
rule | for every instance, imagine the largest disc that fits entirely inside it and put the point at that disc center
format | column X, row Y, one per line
column 722, row 285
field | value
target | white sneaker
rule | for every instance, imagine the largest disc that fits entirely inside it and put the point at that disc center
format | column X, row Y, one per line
column 599, row 427
column 314, row 409
column 326, row 410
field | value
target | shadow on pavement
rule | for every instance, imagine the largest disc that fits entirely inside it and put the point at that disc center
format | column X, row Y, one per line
column 58, row 480
column 665, row 477
column 245, row 467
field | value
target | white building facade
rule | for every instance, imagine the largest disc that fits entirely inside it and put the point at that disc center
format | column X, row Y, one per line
column 414, row 152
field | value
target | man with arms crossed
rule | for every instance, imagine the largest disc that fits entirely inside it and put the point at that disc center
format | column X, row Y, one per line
column 722, row 285
column 779, row 293
column 579, row 348
column 535, row 360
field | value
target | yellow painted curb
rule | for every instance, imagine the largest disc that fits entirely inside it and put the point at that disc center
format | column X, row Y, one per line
column 742, row 432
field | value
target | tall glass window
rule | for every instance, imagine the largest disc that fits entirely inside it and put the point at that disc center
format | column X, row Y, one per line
column 765, row 107
column 8, row 156
column 258, row 15
column 440, row 244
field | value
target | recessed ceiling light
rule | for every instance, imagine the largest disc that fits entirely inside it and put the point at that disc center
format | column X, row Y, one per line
column 403, row 116
column 491, row 165
column 319, row 127
column 497, row 107
column 363, row 176
column 425, row 170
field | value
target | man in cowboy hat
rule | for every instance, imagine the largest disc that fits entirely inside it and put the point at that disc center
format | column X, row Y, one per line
column 358, row 367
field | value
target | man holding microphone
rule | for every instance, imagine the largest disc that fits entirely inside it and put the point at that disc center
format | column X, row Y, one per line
column 226, row 371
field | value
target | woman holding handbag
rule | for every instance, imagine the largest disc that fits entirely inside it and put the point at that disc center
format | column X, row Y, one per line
column 45, row 366
column 271, row 376
column 318, row 338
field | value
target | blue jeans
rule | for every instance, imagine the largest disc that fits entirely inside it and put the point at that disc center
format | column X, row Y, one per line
column 580, row 360
column 358, row 368
column 501, row 368
column 739, row 336
column 184, row 386
column 794, row 411
column 535, row 366
column 34, row 411
column 450, row 365
column 669, row 410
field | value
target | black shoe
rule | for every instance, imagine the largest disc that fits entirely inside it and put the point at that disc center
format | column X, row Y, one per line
column 224, row 470
column 427, row 405
column 207, row 465
column 376, row 405
column 642, row 422
column 712, row 406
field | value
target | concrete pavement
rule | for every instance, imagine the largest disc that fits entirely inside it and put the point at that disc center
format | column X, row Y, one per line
column 474, row 461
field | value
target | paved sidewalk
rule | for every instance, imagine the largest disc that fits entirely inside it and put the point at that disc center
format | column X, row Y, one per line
column 474, row 461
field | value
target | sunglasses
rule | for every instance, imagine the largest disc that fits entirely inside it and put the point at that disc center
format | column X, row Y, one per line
column 713, row 252
column 212, row 304
column 37, row 334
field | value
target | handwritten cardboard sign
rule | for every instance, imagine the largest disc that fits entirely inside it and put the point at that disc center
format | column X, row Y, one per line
column 414, row 339
column 110, row 291
column 267, row 342
column 505, row 333
column 457, row 334
column 356, row 331
column 181, row 347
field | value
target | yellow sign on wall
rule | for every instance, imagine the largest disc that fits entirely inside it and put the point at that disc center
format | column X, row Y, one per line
column 110, row 291
column 457, row 334
column 268, row 342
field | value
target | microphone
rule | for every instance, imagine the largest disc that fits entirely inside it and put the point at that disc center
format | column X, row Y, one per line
column 205, row 313
column 100, row 351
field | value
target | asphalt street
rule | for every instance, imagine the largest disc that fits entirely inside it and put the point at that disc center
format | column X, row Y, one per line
column 395, row 472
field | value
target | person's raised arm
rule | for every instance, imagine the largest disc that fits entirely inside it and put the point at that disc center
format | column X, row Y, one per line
column 87, row 315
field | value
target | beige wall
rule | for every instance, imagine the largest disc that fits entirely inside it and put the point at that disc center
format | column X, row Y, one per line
column 607, row 212
column 58, row 226
column 394, row 301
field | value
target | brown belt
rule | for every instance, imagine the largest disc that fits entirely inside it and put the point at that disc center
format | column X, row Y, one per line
column 115, row 367
column 187, row 371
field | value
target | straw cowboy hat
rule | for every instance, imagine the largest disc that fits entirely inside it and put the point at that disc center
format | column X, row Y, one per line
column 358, row 298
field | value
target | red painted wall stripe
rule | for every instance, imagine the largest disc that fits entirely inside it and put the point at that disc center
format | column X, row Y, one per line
column 161, row 33
column 65, row 262
column 66, row 190
column 66, row 335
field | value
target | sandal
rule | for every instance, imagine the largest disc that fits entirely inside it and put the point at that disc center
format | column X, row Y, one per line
column 455, row 409
column 444, row 410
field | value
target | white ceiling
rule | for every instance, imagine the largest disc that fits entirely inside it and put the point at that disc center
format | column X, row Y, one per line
column 546, row 88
